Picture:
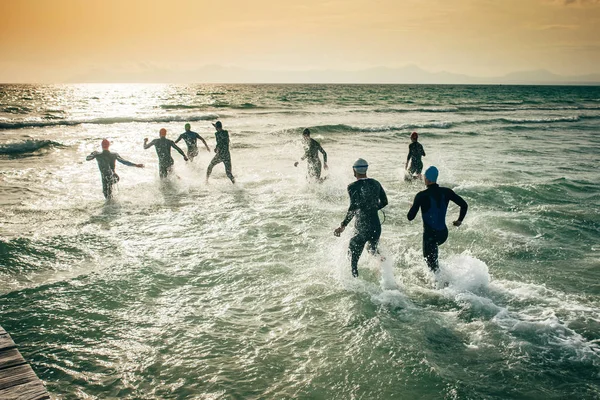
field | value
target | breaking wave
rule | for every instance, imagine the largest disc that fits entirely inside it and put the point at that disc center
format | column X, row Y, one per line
column 28, row 146
column 105, row 121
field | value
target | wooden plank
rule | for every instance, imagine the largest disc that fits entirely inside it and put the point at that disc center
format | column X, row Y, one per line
column 10, row 358
column 26, row 391
column 17, row 376
column 6, row 342
column 17, row 379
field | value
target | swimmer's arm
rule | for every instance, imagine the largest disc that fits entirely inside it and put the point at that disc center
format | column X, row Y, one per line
column 203, row 141
column 179, row 138
column 412, row 213
column 349, row 215
column 179, row 151
column 422, row 151
column 352, row 210
column 459, row 201
column 92, row 156
column 128, row 163
column 148, row 145
column 383, row 200
column 324, row 155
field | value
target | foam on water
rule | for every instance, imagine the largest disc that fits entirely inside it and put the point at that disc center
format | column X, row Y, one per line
column 462, row 272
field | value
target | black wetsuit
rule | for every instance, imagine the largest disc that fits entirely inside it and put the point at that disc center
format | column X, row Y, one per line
column 223, row 155
column 106, row 165
column 191, row 140
column 367, row 197
column 415, row 152
column 433, row 203
column 163, row 151
column 311, row 155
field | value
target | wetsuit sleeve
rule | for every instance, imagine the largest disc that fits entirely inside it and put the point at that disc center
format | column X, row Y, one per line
column 125, row 162
column 408, row 156
column 177, row 148
column 351, row 210
column 422, row 151
column 179, row 138
column 202, row 139
column 383, row 201
column 412, row 213
column 459, row 201
column 92, row 156
column 323, row 152
column 152, row 143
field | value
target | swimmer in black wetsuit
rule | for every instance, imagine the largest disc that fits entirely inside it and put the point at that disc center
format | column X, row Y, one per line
column 415, row 152
column 311, row 155
column 433, row 203
column 367, row 197
column 191, row 138
column 163, row 151
column 106, row 164
column 222, row 150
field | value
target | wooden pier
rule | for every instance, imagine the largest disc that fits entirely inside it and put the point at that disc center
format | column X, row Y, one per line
column 17, row 379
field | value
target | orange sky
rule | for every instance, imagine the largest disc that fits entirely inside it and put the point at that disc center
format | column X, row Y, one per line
column 60, row 40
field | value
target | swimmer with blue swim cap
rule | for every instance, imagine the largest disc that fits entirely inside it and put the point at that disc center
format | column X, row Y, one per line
column 433, row 203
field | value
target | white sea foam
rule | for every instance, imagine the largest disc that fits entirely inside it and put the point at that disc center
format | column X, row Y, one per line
column 463, row 272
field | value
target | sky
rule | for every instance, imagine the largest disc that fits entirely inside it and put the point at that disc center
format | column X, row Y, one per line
column 117, row 40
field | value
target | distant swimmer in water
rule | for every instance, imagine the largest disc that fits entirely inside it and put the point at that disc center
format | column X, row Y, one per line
column 367, row 197
column 106, row 164
column 163, row 151
column 222, row 152
column 433, row 203
column 415, row 152
column 311, row 155
column 191, row 139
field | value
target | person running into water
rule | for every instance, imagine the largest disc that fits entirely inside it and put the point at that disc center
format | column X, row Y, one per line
column 106, row 165
column 311, row 155
column 415, row 152
column 191, row 139
column 222, row 152
column 163, row 151
column 433, row 203
column 367, row 197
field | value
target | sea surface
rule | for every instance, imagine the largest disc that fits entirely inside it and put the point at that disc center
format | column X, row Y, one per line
column 183, row 290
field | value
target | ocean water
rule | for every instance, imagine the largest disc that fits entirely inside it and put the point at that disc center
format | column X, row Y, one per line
column 182, row 290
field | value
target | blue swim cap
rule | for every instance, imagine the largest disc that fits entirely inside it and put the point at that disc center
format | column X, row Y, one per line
column 432, row 174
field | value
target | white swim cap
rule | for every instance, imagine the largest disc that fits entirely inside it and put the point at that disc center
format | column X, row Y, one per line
column 360, row 166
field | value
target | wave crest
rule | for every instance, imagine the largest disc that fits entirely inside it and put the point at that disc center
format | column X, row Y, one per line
column 28, row 146
column 105, row 121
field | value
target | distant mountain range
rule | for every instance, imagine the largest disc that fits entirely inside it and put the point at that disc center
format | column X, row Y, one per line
column 410, row 74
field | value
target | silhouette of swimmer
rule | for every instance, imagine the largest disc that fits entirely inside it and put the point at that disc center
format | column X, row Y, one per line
column 311, row 155
column 191, row 140
column 367, row 197
column 106, row 165
column 415, row 152
column 433, row 203
column 163, row 151
column 222, row 152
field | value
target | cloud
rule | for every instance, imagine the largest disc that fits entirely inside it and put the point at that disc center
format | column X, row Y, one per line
column 576, row 2
column 556, row 27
